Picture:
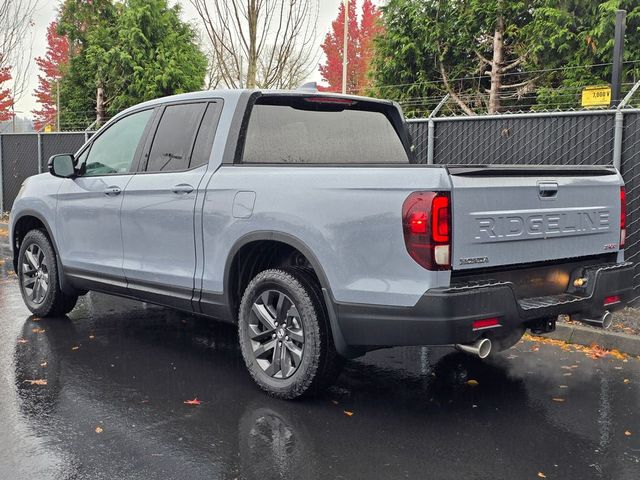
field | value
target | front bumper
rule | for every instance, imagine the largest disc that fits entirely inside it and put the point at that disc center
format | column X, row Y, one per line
column 445, row 316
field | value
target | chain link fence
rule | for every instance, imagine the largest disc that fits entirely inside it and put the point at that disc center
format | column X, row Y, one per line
column 601, row 137
column 26, row 154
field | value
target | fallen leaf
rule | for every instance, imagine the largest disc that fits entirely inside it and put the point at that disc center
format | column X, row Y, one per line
column 75, row 348
column 473, row 383
column 627, row 433
column 348, row 413
column 626, row 380
column 566, row 374
column 91, row 337
column 43, row 364
column 36, row 382
column 37, row 330
column 556, row 399
column 596, row 351
column 564, row 386
column 541, row 475
column 618, row 354
column 99, row 429
column 195, row 401
column 23, row 340
column 535, row 348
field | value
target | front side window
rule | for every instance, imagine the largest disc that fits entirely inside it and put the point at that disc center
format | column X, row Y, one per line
column 172, row 143
column 114, row 150
column 317, row 131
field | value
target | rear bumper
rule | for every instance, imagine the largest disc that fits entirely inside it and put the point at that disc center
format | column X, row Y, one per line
column 445, row 316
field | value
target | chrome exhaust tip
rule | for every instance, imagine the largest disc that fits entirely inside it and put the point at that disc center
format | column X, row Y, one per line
column 481, row 348
column 604, row 322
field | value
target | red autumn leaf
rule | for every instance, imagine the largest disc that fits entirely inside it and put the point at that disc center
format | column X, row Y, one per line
column 36, row 382
column 596, row 351
column 195, row 401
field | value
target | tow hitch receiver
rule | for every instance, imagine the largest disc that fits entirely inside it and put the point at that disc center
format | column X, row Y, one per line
column 547, row 325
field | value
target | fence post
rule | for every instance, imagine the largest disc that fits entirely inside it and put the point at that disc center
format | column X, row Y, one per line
column 1, row 179
column 431, row 129
column 619, row 127
column 39, row 152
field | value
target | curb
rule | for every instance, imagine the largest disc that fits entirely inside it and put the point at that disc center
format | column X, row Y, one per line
column 583, row 335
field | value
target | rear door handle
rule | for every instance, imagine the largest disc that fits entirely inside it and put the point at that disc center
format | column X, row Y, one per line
column 112, row 191
column 182, row 189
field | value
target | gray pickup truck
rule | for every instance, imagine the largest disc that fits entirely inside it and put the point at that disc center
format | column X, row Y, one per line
column 303, row 218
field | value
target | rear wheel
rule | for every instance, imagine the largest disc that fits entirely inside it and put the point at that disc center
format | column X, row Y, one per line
column 38, row 274
column 284, row 335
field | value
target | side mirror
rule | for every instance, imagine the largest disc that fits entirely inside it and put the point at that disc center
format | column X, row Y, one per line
column 62, row 166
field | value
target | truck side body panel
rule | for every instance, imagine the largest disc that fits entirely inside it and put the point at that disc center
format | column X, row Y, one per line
column 349, row 217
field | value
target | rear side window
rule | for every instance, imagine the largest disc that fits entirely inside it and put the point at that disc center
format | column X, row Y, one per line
column 173, row 140
column 206, row 135
column 305, row 131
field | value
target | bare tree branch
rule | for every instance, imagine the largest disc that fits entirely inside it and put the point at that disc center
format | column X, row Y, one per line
column 16, row 21
column 519, row 84
column 259, row 43
column 445, row 79
column 482, row 58
column 513, row 64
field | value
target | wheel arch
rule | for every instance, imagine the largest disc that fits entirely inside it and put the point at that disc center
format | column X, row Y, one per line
column 295, row 243
column 277, row 237
column 29, row 220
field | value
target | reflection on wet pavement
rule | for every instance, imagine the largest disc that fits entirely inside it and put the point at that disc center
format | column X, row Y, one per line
column 117, row 373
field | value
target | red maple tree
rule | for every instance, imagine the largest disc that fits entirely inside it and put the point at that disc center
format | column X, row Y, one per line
column 51, row 66
column 6, row 98
column 359, row 50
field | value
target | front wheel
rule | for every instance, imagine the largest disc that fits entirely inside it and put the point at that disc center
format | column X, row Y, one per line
column 38, row 274
column 284, row 334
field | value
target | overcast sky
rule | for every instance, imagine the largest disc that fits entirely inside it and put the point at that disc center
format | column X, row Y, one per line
column 47, row 11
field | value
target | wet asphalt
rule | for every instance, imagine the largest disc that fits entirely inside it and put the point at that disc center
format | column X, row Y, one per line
column 117, row 373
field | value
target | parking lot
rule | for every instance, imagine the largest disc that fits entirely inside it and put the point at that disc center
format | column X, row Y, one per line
column 101, row 395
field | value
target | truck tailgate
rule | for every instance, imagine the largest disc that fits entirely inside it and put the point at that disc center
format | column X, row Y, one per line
column 507, row 215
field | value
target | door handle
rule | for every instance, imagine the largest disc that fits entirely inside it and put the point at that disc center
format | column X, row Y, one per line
column 547, row 189
column 182, row 189
column 112, row 191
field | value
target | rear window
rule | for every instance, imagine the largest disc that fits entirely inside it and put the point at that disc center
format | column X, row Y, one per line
column 304, row 131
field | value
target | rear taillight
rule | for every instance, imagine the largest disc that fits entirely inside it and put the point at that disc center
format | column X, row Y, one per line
column 426, row 221
column 623, row 217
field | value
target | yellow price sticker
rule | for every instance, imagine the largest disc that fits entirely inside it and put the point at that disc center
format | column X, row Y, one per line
column 596, row 96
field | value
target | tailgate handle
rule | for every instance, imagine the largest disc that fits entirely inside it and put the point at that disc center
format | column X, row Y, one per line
column 547, row 189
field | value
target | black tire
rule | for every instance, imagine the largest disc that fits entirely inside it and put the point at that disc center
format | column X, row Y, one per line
column 281, row 376
column 35, row 274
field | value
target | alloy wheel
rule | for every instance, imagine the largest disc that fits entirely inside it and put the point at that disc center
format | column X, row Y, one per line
column 35, row 274
column 276, row 334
